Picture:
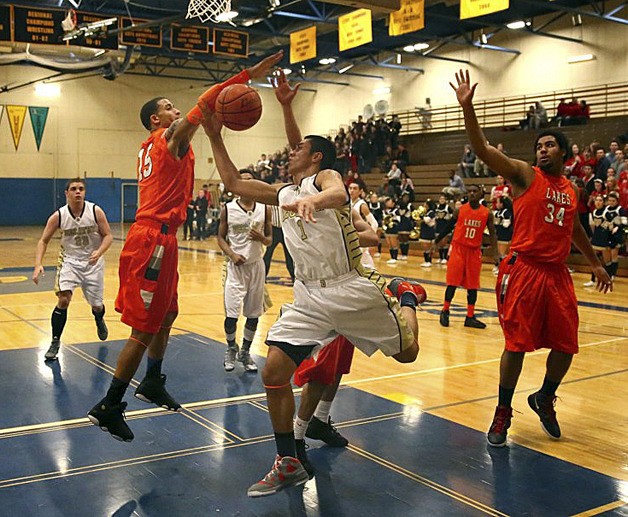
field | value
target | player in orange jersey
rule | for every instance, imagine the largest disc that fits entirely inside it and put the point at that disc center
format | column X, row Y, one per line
column 147, row 297
column 535, row 296
column 465, row 256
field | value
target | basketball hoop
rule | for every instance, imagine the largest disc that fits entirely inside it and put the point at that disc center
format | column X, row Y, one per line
column 209, row 10
column 69, row 22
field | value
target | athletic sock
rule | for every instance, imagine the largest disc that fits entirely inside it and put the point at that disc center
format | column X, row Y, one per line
column 153, row 367
column 58, row 319
column 446, row 305
column 405, row 248
column 322, row 410
column 505, row 396
column 249, row 333
column 116, row 391
column 300, row 426
column 408, row 299
column 427, row 256
column 549, row 387
column 394, row 253
column 441, row 253
column 470, row 311
column 379, row 247
column 230, row 331
column 614, row 268
column 285, row 444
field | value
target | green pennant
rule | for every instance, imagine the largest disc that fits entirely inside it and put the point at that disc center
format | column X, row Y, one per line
column 38, row 121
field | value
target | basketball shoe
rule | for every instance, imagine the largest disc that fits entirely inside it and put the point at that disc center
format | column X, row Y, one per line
column 302, row 457
column 398, row 286
column 103, row 331
column 473, row 322
column 244, row 356
column 110, row 418
column 543, row 405
column 499, row 428
column 325, row 431
column 286, row 472
column 444, row 318
column 153, row 391
column 53, row 350
column 230, row 358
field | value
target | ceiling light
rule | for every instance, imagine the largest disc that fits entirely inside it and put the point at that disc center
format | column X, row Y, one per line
column 581, row 59
column 381, row 91
column 409, row 48
column 398, row 58
column 346, row 68
column 483, row 39
column 519, row 24
column 287, row 71
column 225, row 17
column 327, row 61
column 421, row 46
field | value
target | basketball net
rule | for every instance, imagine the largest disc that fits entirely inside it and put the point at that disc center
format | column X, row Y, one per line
column 208, row 10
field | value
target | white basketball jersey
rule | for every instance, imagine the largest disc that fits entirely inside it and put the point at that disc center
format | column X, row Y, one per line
column 79, row 233
column 239, row 222
column 367, row 260
column 323, row 250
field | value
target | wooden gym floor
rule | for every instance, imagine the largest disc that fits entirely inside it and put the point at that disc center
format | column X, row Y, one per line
column 417, row 431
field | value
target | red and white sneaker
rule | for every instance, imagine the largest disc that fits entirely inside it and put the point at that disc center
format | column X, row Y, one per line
column 287, row 471
column 398, row 286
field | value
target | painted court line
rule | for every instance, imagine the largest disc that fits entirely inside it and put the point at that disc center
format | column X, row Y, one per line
column 601, row 509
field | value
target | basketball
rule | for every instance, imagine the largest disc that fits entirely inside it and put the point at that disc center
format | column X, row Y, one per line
column 238, row 107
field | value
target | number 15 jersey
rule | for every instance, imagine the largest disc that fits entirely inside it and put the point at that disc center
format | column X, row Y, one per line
column 544, row 219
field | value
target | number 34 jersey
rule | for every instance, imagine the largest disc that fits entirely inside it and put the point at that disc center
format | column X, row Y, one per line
column 322, row 250
column 544, row 219
column 79, row 234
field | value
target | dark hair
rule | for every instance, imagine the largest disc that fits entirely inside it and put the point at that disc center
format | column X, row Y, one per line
column 561, row 140
column 614, row 195
column 74, row 180
column 506, row 202
column 149, row 109
column 319, row 144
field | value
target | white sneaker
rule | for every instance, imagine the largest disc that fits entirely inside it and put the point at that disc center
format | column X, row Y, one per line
column 403, row 257
column 391, row 261
column 377, row 255
column 590, row 283
column 426, row 264
column 245, row 358
column 443, row 261
column 571, row 270
column 230, row 358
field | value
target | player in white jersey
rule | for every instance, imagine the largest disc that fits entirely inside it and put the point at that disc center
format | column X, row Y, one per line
column 85, row 237
column 361, row 207
column 245, row 228
column 333, row 294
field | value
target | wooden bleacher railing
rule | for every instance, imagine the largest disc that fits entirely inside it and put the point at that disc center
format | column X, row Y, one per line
column 607, row 100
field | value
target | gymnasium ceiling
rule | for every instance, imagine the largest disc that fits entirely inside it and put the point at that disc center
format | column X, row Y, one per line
column 270, row 22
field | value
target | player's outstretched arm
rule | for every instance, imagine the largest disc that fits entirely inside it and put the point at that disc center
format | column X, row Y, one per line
column 107, row 237
column 332, row 195
column 285, row 95
column 581, row 240
column 42, row 245
column 518, row 172
column 252, row 189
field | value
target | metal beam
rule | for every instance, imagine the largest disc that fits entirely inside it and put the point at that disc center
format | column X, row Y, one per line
column 608, row 17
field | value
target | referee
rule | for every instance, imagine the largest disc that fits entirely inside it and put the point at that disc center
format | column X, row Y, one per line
column 278, row 239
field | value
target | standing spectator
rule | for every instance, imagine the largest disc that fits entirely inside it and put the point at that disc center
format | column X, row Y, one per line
column 403, row 158
column 456, row 186
column 200, row 209
column 406, row 187
column 188, row 226
column 588, row 178
column 601, row 164
column 539, row 118
column 583, row 114
column 574, row 162
column 583, row 205
column 612, row 147
column 562, row 112
column 499, row 190
column 467, row 162
column 395, row 128
column 277, row 238
column 619, row 162
column 622, row 184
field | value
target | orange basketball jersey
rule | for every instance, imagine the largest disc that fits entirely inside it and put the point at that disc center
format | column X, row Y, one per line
column 165, row 183
column 544, row 219
column 470, row 226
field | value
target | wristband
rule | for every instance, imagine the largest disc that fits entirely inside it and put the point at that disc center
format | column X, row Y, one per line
column 207, row 101
column 195, row 116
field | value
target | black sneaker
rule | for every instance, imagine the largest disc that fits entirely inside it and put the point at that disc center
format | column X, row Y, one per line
column 325, row 431
column 110, row 418
column 103, row 331
column 444, row 318
column 474, row 323
column 153, row 391
column 53, row 350
column 302, row 457
column 543, row 406
column 499, row 428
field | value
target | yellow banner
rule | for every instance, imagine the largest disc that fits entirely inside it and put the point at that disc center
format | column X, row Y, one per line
column 355, row 29
column 17, row 115
column 302, row 45
column 473, row 8
column 410, row 18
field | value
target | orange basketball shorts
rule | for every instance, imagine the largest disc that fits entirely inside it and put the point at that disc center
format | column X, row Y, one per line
column 537, row 306
column 464, row 267
column 333, row 359
column 148, row 277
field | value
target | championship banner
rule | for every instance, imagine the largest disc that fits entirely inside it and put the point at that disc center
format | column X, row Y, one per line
column 473, row 8
column 355, row 29
column 38, row 121
column 302, row 45
column 410, row 18
column 16, row 115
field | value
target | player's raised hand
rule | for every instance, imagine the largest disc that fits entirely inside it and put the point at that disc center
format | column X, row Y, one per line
column 604, row 281
column 37, row 273
column 263, row 68
column 283, row 91
column 211, row 125
column 304, row 208
column 464, row 90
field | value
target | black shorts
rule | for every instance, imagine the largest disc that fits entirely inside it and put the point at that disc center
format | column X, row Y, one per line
column 298, row 354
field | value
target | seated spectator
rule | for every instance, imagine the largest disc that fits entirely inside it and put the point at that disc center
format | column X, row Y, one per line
column 456, row 186
column 574, row 163
column 584, row 113
column 528, row 121
column 562, row 112
column 480, row 168
column 539, row 116
column 403, row 157
column 406, row 187
column 619, row 163
column 394, row 176
column 467, row 162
